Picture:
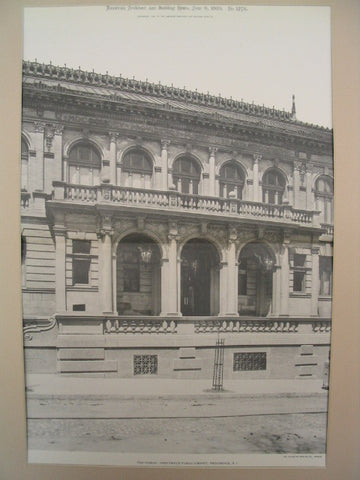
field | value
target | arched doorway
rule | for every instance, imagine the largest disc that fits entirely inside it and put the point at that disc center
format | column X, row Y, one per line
column 138, row 277
column 199, row 278
column 256, row 267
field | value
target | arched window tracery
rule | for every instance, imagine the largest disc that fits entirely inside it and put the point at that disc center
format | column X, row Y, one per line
column 137, row 169
column 231, row 180
column 273, row 187
column 84, row 164
column 186, row 175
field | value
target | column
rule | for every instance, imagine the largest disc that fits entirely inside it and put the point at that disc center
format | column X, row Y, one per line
column 60, row 261
column 164, row 163
column 315, row 283
column 37, row 171
column 284, row 281
column 296, row 186
column 224, row 277
column 275, row 307
column 57, row 142
column 106, row 290
column 112, row 159
column 309, row 193
column 169, row 281
column 212, row 152
column 232, row 281
column 257, row 158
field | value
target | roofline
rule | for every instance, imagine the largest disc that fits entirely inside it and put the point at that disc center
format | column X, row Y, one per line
column 158, row 90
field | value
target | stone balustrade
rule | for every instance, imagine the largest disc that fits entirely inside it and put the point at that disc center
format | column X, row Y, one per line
column 329, row 229
column 159, row 325
column 171, row 199
column 138, row 325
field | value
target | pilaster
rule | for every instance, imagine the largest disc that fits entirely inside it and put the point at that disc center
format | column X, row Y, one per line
column 256, row 192
column 315, row 283
column 113, row 137
column 60, row 259
column 106, row 263
column 164, row 163
column 212, row 153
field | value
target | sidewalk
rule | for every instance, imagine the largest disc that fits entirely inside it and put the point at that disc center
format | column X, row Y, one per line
column 57, row 384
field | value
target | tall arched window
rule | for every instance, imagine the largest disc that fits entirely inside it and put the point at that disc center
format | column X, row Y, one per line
column 84, row 165
column 137, row 168
column 24, row 165
column 231, row 180
column 273, row 187
column 324, row 196
column 186, row 175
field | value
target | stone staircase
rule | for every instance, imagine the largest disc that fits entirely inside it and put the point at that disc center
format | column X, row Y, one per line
column 83, row 354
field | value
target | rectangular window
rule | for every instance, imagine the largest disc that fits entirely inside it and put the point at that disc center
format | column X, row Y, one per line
column 81, row 262
column 249, row 361
column 299, row 273
column 325, row 267
column 145, row 364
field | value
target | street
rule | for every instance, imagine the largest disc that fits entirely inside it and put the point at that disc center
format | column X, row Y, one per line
column 208, row 423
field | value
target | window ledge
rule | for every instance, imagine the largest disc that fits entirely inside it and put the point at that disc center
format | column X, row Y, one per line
column 82, row 287
column 300, row 295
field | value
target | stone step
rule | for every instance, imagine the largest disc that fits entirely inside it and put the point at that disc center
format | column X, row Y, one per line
column 87, row 366
column 80, row 341
column 81, row 354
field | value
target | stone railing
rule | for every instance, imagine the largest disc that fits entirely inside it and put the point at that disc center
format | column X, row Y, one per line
column 264, row 325
column 160, row 325
column 321, row 326
column 139, row 325
column 171, row 199
column 329, row 229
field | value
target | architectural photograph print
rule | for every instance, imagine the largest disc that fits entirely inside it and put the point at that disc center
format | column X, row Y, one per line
column 177, row 234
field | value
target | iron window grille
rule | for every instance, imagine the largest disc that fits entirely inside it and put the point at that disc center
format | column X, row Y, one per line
column 145, row 364
column 247, row 361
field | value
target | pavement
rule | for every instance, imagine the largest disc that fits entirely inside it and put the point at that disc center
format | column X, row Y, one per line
column 60, row 384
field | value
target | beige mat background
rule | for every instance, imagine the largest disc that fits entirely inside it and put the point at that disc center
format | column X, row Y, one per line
column 343, row 435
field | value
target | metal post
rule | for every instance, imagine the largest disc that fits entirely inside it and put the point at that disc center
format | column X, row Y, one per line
column 218, row 374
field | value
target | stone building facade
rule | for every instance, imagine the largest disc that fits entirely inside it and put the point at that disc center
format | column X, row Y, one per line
column 155, row 220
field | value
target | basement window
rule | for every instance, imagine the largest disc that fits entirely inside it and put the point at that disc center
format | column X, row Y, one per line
column 249, row 361
column 145, row 364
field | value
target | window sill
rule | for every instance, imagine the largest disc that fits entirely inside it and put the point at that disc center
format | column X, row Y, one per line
column 300, row 295
column 82, row 287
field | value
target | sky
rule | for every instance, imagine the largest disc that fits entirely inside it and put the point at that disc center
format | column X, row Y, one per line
column 259, row 54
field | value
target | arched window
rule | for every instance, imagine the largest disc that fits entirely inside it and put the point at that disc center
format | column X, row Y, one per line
column 231, row 180
column 137, row 168
column 324, row 196
column 24, row 165
column 84, row 165
column 273, row 186
column 186, row 175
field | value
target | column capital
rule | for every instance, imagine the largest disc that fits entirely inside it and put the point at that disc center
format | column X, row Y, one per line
column 59, row 128
column 103, row 232
column 286, row 237
column 309, row 168
column 165, row 144
column 59, row 230
column 233, row 234
column 257, row 157
column 315, row 250
column 39, row 127
column 212, row 150
column 113, row 136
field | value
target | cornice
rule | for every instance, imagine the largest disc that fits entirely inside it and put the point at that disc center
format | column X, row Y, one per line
column 120, row 84
column 78, row 109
